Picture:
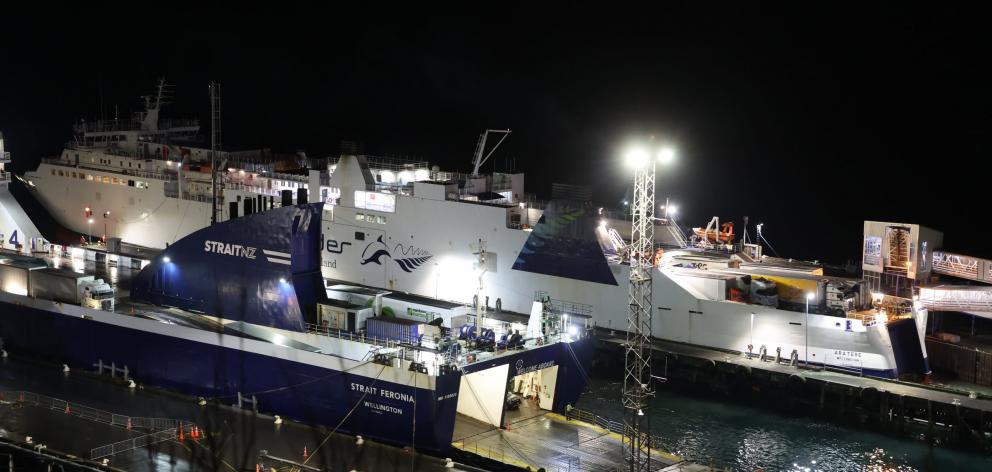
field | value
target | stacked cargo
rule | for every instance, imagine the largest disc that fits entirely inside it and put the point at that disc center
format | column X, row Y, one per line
column 394, row 329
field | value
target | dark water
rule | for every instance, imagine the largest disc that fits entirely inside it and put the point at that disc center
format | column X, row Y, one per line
column 747, row 438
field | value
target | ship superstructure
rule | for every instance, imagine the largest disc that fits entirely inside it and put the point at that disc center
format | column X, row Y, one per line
column 503, row 256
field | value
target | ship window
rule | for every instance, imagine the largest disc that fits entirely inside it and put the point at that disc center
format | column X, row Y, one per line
column 106, row 179
column 115, row 181
column 74, row 175
column 359, row 236
column 359, row 216
column 60, row 174
column 81, row 176
column 89, row 176
column 130, row 183
column 53, row 171
column 139, row 166
column 381, row 219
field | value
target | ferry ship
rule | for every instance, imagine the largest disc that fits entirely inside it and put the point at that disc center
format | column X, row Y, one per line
column 233, row 311
column 479, row 240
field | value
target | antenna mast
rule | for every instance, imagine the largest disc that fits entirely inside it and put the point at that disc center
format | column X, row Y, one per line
column 215, row 144
column 478, row 160
column 637, row 391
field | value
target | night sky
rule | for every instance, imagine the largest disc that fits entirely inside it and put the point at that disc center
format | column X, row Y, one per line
column 807, row 119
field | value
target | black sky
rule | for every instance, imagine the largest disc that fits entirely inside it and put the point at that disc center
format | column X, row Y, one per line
column 809, row 119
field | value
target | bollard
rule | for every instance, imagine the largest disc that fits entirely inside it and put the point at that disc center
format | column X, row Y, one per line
column 65, row 369
column 131, row 384
column 448, row 463
column 764, row 353
column 202, row 401
column 778, row 354
column 359, row 441
column 278, row 420
column 3, row 353
column 126, row 376
column 113, row 370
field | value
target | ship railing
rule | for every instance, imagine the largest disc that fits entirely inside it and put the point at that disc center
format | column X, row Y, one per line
column 350, row 335
column 5, row 157
column 656, row 442
column 4, row 176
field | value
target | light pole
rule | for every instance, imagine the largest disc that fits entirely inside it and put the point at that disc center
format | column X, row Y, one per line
column 809, row 296
column 90, row 231
column 637, row 388
column 106, row 215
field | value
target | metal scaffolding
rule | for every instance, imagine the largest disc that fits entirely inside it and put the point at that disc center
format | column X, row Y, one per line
column 215, row 144
column 637, row 390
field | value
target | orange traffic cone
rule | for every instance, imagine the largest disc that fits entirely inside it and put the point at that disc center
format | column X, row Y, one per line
column 305, row 455
column 182, row 435
column 67, row 410
column 129, row 424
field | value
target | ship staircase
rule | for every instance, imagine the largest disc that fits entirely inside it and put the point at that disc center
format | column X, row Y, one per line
column 971, row 299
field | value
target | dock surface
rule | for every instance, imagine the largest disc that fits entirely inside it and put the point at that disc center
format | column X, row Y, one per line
column 552, row 442
column 935, row 394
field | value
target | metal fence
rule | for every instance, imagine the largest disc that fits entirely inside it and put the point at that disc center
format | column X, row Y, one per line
column 133, row 443
column 617, row 427
column 160, row 429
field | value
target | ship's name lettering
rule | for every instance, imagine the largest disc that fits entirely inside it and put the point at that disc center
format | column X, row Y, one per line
column 534, row 367
column 848, row 353
column 228, row 249
column 381, row 392
column 448, row 396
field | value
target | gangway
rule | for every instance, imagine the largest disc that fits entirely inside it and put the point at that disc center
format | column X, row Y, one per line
column 962, row 266
column 972, row 299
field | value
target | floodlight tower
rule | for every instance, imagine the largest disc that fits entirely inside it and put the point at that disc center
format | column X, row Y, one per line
column 637, row 390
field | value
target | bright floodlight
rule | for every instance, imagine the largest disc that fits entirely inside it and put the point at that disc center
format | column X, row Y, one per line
column 166, row 259
column 672, row 209
column 666, row 156
column 637, row 157
column 809, row 295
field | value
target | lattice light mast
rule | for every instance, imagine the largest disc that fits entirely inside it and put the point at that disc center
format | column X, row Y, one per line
column 637, row 385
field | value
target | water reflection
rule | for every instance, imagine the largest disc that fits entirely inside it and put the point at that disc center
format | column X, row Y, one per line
column 745, row 438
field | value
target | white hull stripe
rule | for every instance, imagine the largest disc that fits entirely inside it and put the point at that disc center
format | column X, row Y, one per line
column 276, row 253
column 278, row 261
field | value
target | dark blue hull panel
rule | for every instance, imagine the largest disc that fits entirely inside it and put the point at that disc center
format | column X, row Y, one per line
column 306, row 393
